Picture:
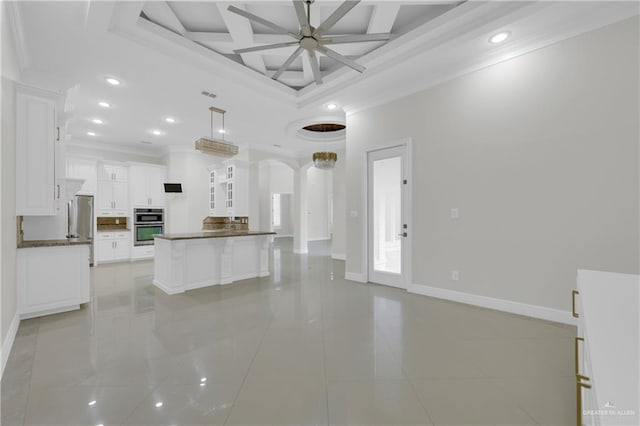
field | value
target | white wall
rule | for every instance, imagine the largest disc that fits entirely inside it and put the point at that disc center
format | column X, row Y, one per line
column 186, row 211
column 8, row 289
column 539, row 153
column 338, row 239
column 319, row 184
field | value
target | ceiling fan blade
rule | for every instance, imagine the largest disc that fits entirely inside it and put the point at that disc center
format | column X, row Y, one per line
column 302, row 17
column 288, row 62
column 266, row 47
column 262, row 21
column 355, row 38
column 315, row 67
column 335, row 16
column 342, row 59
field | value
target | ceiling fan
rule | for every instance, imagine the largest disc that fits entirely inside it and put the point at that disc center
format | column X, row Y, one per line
column 311, row 39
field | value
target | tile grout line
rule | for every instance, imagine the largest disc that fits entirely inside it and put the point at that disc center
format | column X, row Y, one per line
column 324, row 359
column 244, row 379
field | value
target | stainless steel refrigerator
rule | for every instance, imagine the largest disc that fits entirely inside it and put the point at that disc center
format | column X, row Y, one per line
column 80, row 220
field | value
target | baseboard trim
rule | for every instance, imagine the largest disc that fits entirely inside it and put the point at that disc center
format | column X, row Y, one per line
column 318, row 239
column 534, row 311
column 7, row 344
column 354, row 276
column 339, row 256
column 296, row 251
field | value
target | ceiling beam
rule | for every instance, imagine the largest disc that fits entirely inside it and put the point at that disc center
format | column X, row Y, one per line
column 383, row 18
column 242, row 35
column 161, row 13
column 207, row 37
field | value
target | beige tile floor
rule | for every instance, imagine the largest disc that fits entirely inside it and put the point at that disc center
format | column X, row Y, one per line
column 302, row 347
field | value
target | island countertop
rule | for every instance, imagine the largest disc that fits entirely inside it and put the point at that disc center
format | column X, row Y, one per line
column 212, row 234
column 53, row 243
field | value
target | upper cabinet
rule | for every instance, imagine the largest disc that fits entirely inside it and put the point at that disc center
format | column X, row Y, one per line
column 232, row 198
column 113, row 190
column 146, row 185
column 113, row 172
column 37, row 133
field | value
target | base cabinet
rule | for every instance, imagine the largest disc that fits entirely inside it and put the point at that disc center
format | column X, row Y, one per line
column 52, row 279
column 113, row 246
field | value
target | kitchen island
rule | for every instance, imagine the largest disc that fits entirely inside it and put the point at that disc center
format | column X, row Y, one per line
column 201, row 259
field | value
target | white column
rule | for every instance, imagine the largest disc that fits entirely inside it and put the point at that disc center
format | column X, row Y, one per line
column 301, row 209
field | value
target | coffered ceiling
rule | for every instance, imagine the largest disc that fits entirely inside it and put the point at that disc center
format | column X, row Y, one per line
column 167, row 53
column 214, row 27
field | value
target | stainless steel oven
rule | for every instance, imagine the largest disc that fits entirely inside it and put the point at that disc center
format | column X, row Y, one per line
column 147, row 223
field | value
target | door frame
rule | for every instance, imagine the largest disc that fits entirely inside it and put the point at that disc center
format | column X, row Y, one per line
column 407, row 209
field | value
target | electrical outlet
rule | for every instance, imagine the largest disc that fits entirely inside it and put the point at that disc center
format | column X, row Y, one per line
column 455, row 276
column 455, row 213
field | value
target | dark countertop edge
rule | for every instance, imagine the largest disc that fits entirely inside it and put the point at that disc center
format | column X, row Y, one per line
column 211, row 234
column 53, row 243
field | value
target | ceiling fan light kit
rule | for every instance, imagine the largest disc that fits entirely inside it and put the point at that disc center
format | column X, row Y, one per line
column 310, row 39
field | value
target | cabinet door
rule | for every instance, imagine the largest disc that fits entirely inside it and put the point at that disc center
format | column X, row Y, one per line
column 138, row 186
column 155, row 185
column 122, row 248
column 105, row 172
column 105, row 198
column 104, row 249
column 120, row 173
column 35, row 155
column 121, row 198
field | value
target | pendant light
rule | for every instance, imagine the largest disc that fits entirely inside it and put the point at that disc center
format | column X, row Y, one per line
column 217, row 146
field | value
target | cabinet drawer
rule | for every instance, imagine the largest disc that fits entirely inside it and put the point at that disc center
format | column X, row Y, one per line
column 122, row 235
column 105, row 235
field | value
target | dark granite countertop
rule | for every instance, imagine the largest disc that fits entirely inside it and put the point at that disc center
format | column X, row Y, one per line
column 212, row 234
column 53, row 243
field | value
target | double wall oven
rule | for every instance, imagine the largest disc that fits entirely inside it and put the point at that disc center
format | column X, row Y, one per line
column 147, row 223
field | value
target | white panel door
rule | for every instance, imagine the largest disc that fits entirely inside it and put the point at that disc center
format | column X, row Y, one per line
column 388, row 228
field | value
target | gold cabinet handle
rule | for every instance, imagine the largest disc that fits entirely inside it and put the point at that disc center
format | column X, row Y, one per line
column 574, row 293
column 579, row 386
column 575, row 356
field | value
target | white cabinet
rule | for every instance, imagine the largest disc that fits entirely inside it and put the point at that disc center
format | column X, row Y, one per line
column 234, row 190
column 80, row 168
column 36, row 136
column 113, row 172
column 607, row 348
column 113, row 246
column 52, row 279
column 146, row 185
column 113, row 190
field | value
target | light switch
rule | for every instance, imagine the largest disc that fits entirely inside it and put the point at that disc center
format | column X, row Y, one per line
column 455, row 275
column 455, row 213
column 354, row 213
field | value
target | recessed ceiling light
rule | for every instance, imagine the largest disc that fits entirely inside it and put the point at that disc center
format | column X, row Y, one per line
column 159, row 404
column 91, row 133
column 204, row 379
column 332, row 106
column 170, row 120
column 500, row 37
column 97, row 121
column 222, row 131
column 104, row 104
column 157, row 132
column 92, row 403
column 112, row 81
